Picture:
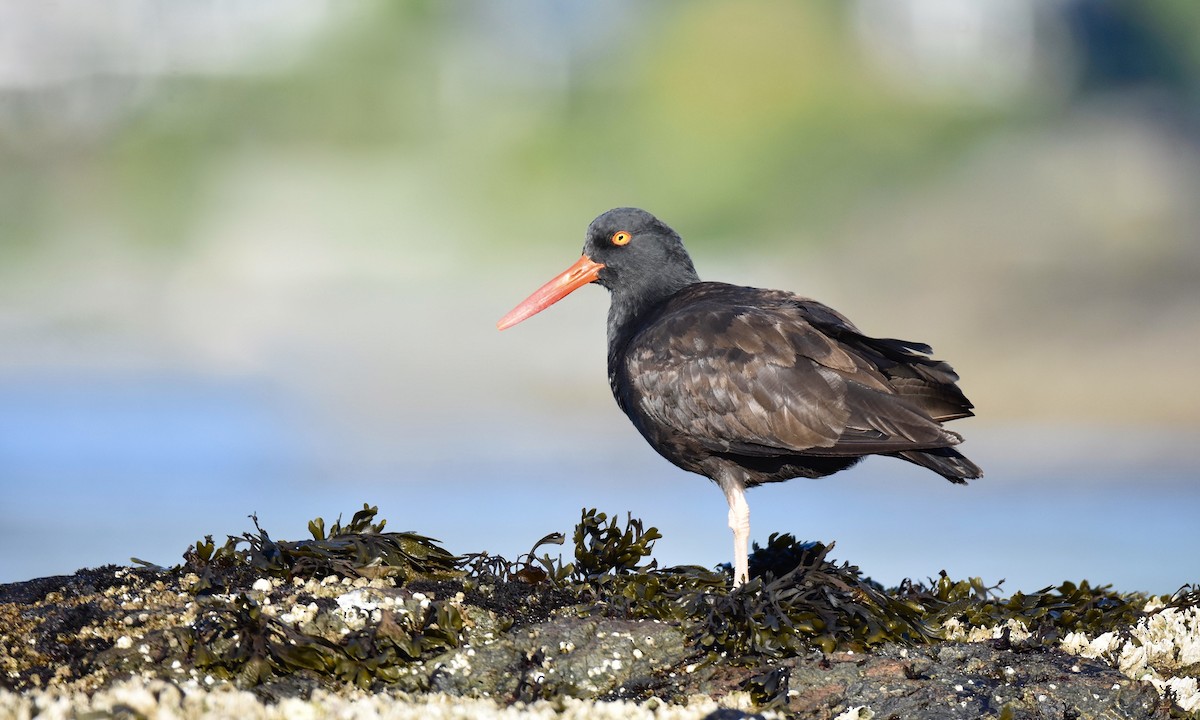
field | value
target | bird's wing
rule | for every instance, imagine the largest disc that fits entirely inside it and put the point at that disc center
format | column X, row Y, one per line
column 921, row 380
column 761, row 378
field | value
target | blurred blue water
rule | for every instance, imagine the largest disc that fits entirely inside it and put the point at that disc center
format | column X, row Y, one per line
column 97, row 471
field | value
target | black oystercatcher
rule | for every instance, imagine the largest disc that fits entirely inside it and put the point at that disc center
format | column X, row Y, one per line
column 748, row 386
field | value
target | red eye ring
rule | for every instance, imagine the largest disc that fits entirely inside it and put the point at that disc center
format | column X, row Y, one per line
column 621, row 237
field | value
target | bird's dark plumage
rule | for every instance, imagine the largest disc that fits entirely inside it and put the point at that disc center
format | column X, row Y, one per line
column 779, row 385
column 749, row 386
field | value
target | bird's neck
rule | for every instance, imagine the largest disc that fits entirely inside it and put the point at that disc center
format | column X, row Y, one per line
column 632, row 304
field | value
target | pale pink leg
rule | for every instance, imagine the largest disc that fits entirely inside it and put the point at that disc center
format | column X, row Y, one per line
column 739, row 523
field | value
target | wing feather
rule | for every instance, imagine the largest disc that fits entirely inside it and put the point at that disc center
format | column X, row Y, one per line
column 775, row 374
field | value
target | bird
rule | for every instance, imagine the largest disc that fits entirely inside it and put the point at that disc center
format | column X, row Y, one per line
column 748, row 386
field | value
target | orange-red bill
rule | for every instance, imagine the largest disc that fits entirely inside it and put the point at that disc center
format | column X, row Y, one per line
column 584, row 271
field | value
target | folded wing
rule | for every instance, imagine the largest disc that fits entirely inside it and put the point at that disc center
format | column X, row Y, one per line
column 759, row 372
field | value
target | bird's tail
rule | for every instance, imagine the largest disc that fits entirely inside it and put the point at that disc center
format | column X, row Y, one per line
column 947, row 462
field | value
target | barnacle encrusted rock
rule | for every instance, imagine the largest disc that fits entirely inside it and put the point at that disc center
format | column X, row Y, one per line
column 570, row 657
column 1162, row 648
column 357, row 614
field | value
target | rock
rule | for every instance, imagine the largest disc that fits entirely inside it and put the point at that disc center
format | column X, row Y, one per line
column 565, row 657
column 247, row 627
column 964, row 681
column 732, row 714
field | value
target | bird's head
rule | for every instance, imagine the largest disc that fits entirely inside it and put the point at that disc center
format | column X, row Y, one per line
column 628, row 251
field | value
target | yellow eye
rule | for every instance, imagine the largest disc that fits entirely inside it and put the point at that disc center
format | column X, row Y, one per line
column 621, row 238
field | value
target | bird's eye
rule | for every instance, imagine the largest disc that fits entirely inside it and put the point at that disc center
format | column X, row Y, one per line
column 621, row 238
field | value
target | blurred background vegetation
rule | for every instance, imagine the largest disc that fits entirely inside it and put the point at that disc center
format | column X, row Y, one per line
column 271, row 240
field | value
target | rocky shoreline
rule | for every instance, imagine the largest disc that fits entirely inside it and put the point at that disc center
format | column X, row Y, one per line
column 367, row 623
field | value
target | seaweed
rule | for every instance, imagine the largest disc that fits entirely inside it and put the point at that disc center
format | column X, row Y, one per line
column 606, row 549
column 236, row 640
column 799, row 601
column 769, row 688
column 358, row 549
column 527, row 568
column 1048, row 613
column 814, row 604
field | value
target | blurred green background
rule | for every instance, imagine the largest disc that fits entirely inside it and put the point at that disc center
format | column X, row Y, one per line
column 251, row 258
